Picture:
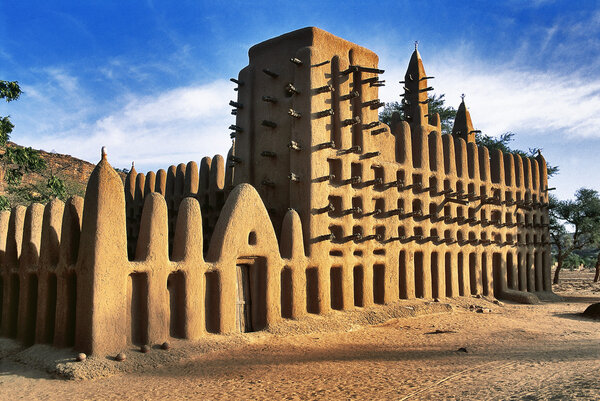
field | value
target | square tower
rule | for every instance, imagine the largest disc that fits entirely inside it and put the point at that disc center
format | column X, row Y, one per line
column 307, row 133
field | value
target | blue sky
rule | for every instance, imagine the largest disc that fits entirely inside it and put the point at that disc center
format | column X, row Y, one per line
column 150, row 80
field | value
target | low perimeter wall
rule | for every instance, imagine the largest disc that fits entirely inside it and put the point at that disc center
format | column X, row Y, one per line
column 66, row 278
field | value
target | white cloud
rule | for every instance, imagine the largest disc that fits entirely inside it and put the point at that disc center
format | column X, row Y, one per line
column 505, row 97
column 65, row 81
column 555, row 110
column 173, row 127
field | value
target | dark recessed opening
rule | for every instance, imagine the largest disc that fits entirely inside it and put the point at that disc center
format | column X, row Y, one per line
column 335, row 276
column 379, row 284
column 138, row 289
column 510, row 270
column 335, row 170
column 312, row 290
column 286, row 292
column 485, row 274
column 71, row 314
column 461, row 275
column 50, row 309
column 177, row 300
column 14, row 305
column 336, row 203
column 356, row 171
column 473, row 272
column 435, row 276
column 358, row 276
column 419, row 283
column 448, row 272
column 31, row 317
column 403, row 287
column 212, row 306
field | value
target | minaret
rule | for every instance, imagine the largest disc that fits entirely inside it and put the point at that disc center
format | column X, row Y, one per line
column 415, row 100
column 463, row 127
column 306, row 119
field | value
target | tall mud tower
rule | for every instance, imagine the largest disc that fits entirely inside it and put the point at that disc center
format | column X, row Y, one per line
column 307, row 129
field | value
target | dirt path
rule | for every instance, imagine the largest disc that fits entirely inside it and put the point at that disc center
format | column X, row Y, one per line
column 519, row 352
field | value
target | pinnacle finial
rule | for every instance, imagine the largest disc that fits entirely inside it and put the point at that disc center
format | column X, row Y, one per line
column 103, row 153
column 132, row 164
column 416, row 45
column 462, row 97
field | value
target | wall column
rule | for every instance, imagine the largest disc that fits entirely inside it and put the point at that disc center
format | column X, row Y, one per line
column 529, row 263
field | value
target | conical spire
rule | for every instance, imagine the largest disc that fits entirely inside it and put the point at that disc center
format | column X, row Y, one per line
column 463, row 127
column 415, row 91
column 130, row 183
column 102, row 250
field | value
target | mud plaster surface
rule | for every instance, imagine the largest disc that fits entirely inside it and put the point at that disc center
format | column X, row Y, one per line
column 519, row 352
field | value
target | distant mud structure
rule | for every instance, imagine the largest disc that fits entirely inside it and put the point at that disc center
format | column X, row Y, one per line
column 318, row 206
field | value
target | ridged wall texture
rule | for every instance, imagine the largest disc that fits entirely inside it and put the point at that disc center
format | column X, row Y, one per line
column 318, row 206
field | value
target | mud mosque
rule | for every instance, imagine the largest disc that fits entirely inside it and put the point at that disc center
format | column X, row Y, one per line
column 317, row 207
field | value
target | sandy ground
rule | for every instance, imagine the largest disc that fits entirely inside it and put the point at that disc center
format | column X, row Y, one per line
column 515, row 352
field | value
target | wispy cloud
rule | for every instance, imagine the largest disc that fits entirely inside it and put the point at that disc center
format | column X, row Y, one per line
column 507, row 97
column 520, row 4
column 54, row 102
column 556, row 110
column 504, row 99
column 176, row 126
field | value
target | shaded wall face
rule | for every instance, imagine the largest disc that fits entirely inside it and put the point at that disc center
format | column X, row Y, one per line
column 40, row 246
column 209, row 183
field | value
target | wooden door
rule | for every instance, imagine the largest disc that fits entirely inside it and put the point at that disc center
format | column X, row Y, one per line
column 243, row 308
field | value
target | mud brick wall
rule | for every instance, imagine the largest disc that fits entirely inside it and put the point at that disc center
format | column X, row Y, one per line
column 317, row 206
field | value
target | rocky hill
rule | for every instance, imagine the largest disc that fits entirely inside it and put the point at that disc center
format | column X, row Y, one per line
column 73, row 171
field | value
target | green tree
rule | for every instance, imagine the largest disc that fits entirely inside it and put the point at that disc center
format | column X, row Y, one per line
column 573, row 261
column 574, row 225
column 18, row 161
column 436, row 105
column 447, row 115
column 502, row 143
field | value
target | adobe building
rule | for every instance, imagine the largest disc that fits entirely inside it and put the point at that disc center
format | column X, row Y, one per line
column 317, row 206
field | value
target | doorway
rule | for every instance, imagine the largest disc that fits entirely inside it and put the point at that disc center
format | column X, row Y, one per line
column 243, row 313
column 251, row 294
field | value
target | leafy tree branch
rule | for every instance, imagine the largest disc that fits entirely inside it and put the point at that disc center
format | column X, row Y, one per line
column 18, row 161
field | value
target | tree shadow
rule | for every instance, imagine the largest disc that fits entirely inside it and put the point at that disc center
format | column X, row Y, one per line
column 580, row 299
column 11, row 368
column 241, row 361
column 577, row 316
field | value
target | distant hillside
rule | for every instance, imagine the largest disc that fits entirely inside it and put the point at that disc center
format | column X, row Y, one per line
column 73, row 171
